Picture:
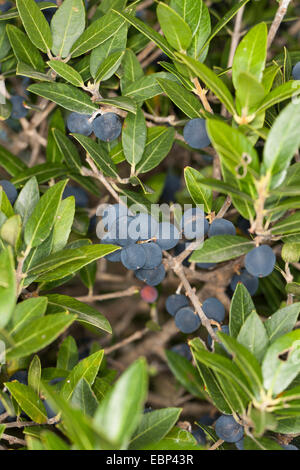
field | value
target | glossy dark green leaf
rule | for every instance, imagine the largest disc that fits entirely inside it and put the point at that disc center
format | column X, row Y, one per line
column 7, row 286
column 12, row 164
column 67, row 149
column 134, row 137
column 240, row 308
column 27, row 311
column 282, row 321
column 159, row 143
column 63, row 224
column 23, row 48
column 67, row 72
column 34, row 374
column 218, row 249
column 109, row 66
column 84, row 398
column 253, row 336
column 67, row 356
column 199, row 193
column 175, row 29
column 184, row 100
column 35, row 24
column 67, row 25
column 28, row 400
column 185, row 373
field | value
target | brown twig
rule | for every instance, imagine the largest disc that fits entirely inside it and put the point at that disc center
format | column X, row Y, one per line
column 134, row 337
column 280, row 14
column 113, row 295
column 216, row 444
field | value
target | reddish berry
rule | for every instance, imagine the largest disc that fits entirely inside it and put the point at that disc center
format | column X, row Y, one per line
column 149, row 294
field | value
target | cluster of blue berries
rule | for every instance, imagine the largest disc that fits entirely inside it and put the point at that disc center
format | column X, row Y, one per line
column 186, row 320
column 106, row 127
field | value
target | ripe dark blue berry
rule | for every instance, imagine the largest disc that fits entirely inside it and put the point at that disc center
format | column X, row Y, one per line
column 49, row 12
column 206, row 265
column 152, row 277
column 250, row 282
column 214, row 309
column 296, row 71
column 81, row 197
column 18, row 109
column 112, row 212
column 79, row 124
column 195, row 133
column 21, row 376
column 179, row 249
column 143, row 227
column 50, row 412
column 149, row 294
column 153, row 255
column 172, row 185
column 199, row 435
column 120, row 231
column 224, row 329
column 228, row 429
column 167, row 236
column 240, row 444
column 183, row 350
column 221, row 227
column 107, row 127
column 9, row 190
column 194, row 224
column 5, row 6
column 260, row 261
column 187, row 320
column 114, row 257
column 133, row 257
column 289, row 447
column 175, row 302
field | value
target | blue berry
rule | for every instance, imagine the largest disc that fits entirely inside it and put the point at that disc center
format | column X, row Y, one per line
column 289, row 447
column 175, row 302
column 81, row 197
column 49, row 12
column 260, row 261
column 214, row 309
column 167, row 236
column 5, row 6
column 221, row 227
column 112, row 212
column 2, row 408
column 152, row 277
column 172, row 185
column 120, row 231
column 21, row 376
column 228, row 429
column 179, row 249
column 243, row 225
column 250, row 282
column 207, row 419
column 18, row 109
column 143, row 227
column 79, row 124
column 107, row 127
column 183, row 350
column 9, row 190
column 224, row 329
column 195, row 133
column 206, row 265
column 187, row 320
column 50, row 412
column 153, row 255
column 114, row 257
column 199, row 435
column 296, row 71
column 194, row 224
column 133, row 257
column 240, row 444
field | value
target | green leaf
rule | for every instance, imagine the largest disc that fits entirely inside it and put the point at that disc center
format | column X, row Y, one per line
column 116, row 43
column 281, row 93
column 66, row 262
column 134, row 137
column 283, row 140
column 246, row 362
column 35, row 24
column 185, row 373
column 53, row 441
column 249, row 94
column 211, row 80
column 263, row 443
column 27, row 199
column 27, row 71
column 97, row 33
column 290, row 224
column 5, row 205
column 159, row 143
column 63, row 223
column 67, row 25
column 253, row 336
column 184, row 100
column 177, row 439
column 281, row 363
column 13, row 12
column 65, row 95
column 125, row 402
column 132, row 69
column 121, row 102
column 67, row 72
column 153, row 427
column 146, row 87
column 42, row 172
column 12, row 164
column 218, row 249
column 199, row 193
column 37, row 334
column 67, row 356
column 27, row 311
column 224, row 20
column 86, row 369
column 240, row 308
column 109, row 66
column 7, row 286
column 28, row 400
column 149, row 32
column 250, row 56
column 262, row 420
column 68, row 149
column 10, row 231
column 176, row 30
column 232, row 147
column 282, row 321
column 85, row 313
column 84, row 398
column 43, row 215
column 190, row 11
column 34, row 374
column 23, row 48
column 98, row 154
